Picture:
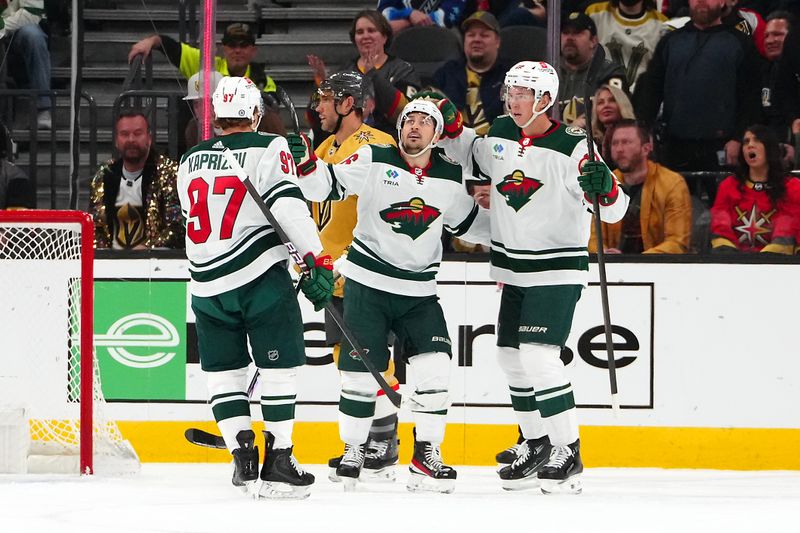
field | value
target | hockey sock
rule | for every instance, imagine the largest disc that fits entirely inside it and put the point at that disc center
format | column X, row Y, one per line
column 384, row 425
column 229, row 403
column 356, row 407
column 278, row 396
column 554, row 396
column 430, row 400
column 523, row 398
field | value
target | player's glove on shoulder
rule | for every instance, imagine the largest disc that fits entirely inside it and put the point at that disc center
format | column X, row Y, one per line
column 453, row 123
column 304, row 157
column 596, row 179
column 317, row 285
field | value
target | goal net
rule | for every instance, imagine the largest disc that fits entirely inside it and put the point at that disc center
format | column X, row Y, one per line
column 53, row 417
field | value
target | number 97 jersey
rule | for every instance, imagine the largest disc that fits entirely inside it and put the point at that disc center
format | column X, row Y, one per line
column 228, row 239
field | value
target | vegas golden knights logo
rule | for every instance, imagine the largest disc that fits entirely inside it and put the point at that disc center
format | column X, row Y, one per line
column 322, row 213
column 130, row 226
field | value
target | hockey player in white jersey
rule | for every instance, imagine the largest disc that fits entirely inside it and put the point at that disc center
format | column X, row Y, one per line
column 241, row 289
column 406, row 196
column 541, row 199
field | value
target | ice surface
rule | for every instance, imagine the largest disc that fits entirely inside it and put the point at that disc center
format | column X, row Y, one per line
column 169, row 498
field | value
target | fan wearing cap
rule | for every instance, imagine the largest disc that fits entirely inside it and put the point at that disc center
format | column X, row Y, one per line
column 239, row 51
column 194, row 96
column 474, row 82
column 578, row 44
column 406, row 196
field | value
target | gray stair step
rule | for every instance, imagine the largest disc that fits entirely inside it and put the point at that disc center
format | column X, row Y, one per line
column 105, row 71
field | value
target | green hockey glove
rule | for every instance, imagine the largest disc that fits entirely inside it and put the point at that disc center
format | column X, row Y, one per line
column 596, row 178
column 304, row 157
column 318, row 284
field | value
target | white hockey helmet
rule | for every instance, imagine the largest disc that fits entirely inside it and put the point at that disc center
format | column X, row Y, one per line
column 538, row 76
column 428, row 108
column 237, row 97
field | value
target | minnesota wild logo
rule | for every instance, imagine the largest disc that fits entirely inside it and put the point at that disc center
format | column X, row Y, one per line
column 517, row 189
column 410, row 218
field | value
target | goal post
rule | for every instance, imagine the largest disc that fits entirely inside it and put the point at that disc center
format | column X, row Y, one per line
column 57, row 419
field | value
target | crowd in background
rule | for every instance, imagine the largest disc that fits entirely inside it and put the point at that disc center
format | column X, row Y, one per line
column 684, row 86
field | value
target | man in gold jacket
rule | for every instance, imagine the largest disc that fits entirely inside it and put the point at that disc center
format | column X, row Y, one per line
column 659, row 216
column 340, row 101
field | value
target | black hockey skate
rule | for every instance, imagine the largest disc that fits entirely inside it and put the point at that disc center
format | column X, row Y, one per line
column 380, row 459
column 561, row 472
column 333, row 464
column 281, row 476
column 522, row 473
column 245, row 460
column 350, row 466
column 510, row 454
column 428, row 472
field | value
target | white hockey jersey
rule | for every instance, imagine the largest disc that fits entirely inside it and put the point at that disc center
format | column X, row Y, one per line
column 228, row 240
column 397, row 243
column 628, row 41
column 540, row 217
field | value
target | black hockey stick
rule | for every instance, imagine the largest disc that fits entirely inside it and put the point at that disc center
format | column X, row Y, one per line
column 589, row 82
column 392, row 394
column 283, row 96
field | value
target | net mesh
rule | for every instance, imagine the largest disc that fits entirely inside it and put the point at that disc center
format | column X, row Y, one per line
column 40, row 321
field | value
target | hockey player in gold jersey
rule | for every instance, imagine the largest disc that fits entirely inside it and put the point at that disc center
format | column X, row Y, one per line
column 340, row 101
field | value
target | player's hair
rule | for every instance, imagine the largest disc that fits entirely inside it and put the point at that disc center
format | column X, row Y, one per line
column 641, row 130
column 776, row 175
column 226, row 123
column 378, row 20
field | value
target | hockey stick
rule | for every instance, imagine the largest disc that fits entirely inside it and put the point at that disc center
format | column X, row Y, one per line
column 392, row 394
column 591, row 77
column 283, row 96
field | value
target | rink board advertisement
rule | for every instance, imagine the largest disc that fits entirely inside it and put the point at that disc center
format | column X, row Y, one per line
column 694, row 358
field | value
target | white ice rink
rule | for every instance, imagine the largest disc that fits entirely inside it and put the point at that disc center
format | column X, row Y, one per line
column 169, row 498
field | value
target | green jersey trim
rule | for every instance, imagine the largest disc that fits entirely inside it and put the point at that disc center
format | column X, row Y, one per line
column 363, row 260
column 579, row 249
column 244, row 243
column 462, row 228
column 562, row 139
column 260, row 246
column 501, row 260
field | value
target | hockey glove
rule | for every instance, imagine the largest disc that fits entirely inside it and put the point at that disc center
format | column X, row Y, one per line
column 596, row 178
column 304, row 157
column 318, row 284
column 453, row 123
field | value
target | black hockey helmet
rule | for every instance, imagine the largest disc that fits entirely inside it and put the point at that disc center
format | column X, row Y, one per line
column 344, row 84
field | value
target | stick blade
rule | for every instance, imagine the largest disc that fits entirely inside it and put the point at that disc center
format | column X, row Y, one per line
column 198, row 437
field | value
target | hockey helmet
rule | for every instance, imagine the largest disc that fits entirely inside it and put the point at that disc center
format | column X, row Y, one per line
column 237, row 98
column 344, row 84
column 538, row 76
column 426, row 107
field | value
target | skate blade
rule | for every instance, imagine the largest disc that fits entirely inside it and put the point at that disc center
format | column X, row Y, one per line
column 422, row 483
column 333, row 476
column 526, row 483
column 270, row 490
column 350, row 483
column 381, row 475
column 571, row 485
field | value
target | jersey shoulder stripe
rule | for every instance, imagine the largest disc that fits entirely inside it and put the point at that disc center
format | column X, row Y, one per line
column 443, row 167
column 384, row 153
column 504, row 128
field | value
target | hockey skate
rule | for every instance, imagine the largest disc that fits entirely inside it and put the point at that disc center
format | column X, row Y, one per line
column 522, row 473
column 428, row 472
column 245, row 461
column 510, row 454
column 349, row 468
column 562, row 472
column 281, row 475
column 333, row 464
column 380, row 459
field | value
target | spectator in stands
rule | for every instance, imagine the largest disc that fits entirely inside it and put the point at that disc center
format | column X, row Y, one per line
column 775, row 114
column 611, row 104
column 706, row 76
column 474, row 82
column 393, row 80
column 133, row 199
column 578, row 43
column 511, row 12
column 746, row 21
column 659, row 216
column 629, row 31
column 403, row 14
column 25, row 41
column 194, row 95
column 758, row 208
column 239, row 50
column 15, row 187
